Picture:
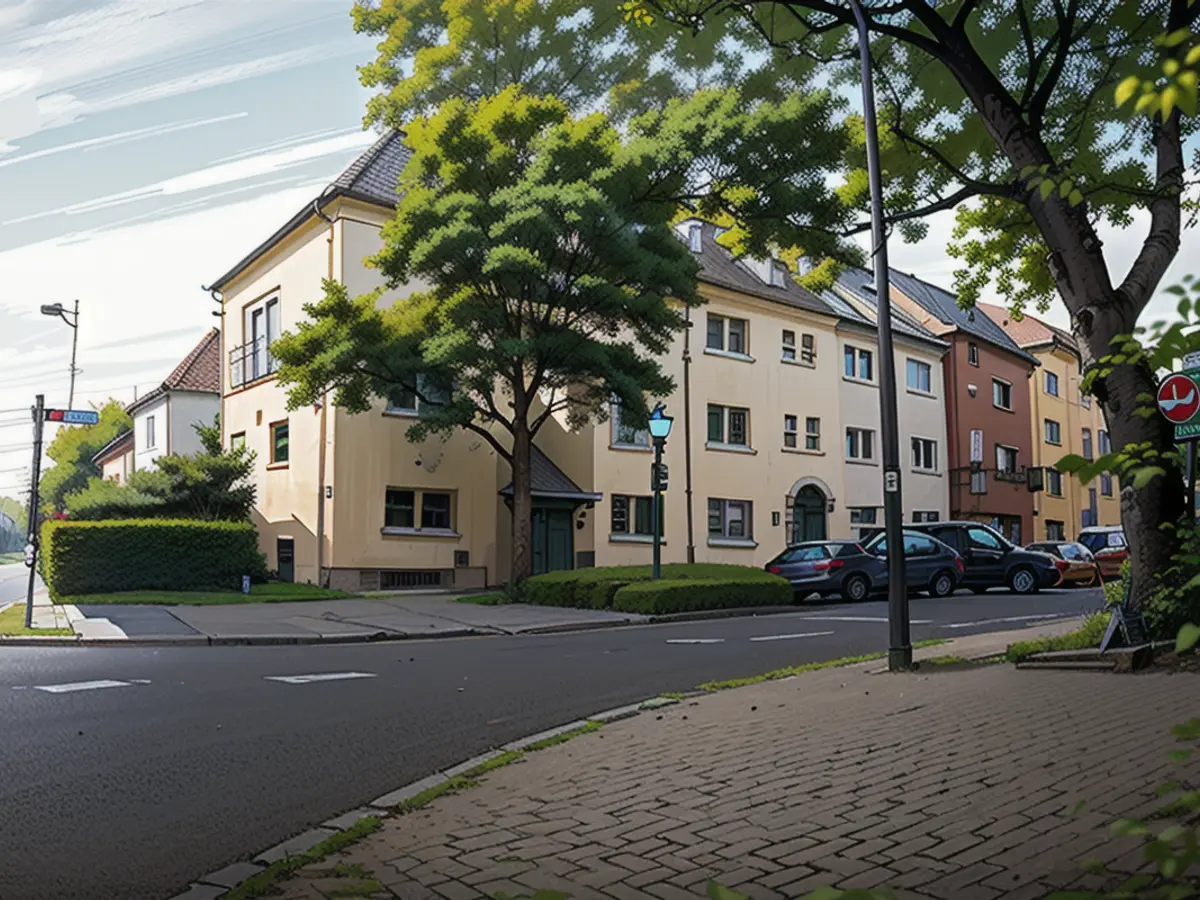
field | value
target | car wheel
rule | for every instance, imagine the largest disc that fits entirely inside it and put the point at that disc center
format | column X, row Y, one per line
column 942, row 585
column 855, row 588
column 1022, row 581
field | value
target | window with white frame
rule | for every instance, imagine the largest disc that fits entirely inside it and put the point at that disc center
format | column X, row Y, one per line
column 789, row 345
column 634, row 515
column 860, row 444
column 1055, row 530
column 729, row 425
column 926, row 515
column 973, row 354
column 727, row 335
column 1106, row 485
column 425, row 392
column 919, row 376
column 1054, row 483
column 924, row 454
column 1001, row 394
column 808, row 349
column 412, row 509
column 1087, row 444
column 864, row 515
column 626, row 435
column 1105, row 443
column 1052, row 384
column 858, row 364
column 812, row 433
column 262, row 328
column 1006, row 458
column 150, row 436
column 790, row 431
column 730, row 519
column 1084, row 400
column 695, row 235
column 1053, row 432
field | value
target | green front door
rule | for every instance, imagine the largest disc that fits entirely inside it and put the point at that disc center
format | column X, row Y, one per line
column 808, row 515
column 553, row 539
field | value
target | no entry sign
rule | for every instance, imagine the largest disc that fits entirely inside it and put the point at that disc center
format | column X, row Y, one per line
column 1179, row 402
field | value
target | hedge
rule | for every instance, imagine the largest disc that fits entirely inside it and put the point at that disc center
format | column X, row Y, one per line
column 598, row 588
column 148, row 554
column 692, row 595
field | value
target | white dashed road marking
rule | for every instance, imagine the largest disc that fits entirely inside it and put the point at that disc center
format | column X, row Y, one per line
column 789, row 637
column 322, row 676
column 1009, row 619
column 81, row 686
column 859, row 619
column 696, row 641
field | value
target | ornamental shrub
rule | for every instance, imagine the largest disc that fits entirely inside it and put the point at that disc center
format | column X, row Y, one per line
column 148, row 554
column 597, row 588
column 692, row 595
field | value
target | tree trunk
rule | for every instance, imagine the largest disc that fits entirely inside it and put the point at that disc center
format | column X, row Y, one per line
column 522, row 508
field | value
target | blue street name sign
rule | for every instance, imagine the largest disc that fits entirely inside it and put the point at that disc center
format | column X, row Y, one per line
column 73, row 416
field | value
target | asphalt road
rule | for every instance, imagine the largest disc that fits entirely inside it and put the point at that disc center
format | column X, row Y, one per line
column 14, row 582
column 195, row 758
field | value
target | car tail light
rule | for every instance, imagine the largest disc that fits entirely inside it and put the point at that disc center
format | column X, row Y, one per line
column 958, row 562
column 1061, row 565
column 774, row 570
column 828, row 564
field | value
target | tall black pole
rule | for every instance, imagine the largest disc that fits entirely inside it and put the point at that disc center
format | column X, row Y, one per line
column 1191, row 460
column 39, row 418
column 656, row 510
column 687, row 433
column 74, row 323
column 900, row 647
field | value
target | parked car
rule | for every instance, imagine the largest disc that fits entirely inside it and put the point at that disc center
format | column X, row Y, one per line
column 1107, row 543
column 828, row 568
column 929, row 565
column 1075, row 562
column 991, row 560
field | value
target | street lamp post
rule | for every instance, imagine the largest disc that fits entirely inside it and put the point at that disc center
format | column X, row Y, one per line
column 900, row 643
column 57, row 309
column 660, row 429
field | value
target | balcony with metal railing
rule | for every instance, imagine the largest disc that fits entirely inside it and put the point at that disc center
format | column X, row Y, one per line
column 250, row 362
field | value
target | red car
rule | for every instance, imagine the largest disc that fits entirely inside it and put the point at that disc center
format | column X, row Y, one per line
column 1108, row 545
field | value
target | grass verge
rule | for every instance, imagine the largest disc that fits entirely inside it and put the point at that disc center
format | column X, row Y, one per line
column 789, row 671
column 12, row 624
column 8, row 559
column 1087, row 637
column 272, row 592
column 263, row 884
column 492, row 599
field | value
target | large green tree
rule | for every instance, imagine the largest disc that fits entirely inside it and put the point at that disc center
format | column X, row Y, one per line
column 72, row 450
column 551, row 267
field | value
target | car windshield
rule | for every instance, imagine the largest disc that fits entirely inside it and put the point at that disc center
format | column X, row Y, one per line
column 802, row 554
column 842, row 549
column 1101, row 540
column 1071, row 551
column 914, row 542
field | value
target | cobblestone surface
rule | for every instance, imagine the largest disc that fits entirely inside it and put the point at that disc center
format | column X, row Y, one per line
column 944, row 784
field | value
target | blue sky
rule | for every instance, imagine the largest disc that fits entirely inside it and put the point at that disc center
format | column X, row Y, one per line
column 147, row 145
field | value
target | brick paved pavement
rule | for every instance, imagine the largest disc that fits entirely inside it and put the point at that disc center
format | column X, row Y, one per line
column 945, row 784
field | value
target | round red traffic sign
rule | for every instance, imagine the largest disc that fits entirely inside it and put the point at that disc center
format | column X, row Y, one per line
column 1178, row 398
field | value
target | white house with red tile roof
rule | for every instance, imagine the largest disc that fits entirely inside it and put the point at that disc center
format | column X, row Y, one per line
column 163, row 419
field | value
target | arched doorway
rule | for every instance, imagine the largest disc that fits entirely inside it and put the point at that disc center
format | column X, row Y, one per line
column 809, row 521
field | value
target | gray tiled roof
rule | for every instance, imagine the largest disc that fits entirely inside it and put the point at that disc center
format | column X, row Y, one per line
column 551, row 481
column 374, row 175
column 902, row 322
column 940, row 303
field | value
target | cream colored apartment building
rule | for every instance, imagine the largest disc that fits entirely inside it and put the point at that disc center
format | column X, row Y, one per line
column 349, row 501
column 1064, row 420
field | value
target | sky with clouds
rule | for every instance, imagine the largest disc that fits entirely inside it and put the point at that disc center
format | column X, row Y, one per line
column 147, row 145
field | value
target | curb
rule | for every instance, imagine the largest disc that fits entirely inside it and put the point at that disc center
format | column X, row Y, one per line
column 218, row 883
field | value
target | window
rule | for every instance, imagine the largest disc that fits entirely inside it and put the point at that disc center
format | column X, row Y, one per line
column 694, row 236
column 409, row 402
column 624, row 435
column 727, row 335
column 634, row 515
column 279, row 442
column 418, row 510
column 859, row 364
column 973, row 354
column 812, row 433
column 1052, row 384
column 864, row 515
column 860, row 444
column 808, row 349
column 1084, row 400
column 1106, row 485
column 1055, row 530
column 150, row 444
column 1053, row 432
column 1105, row 443
column 790, row 426
column 924, row 454
column 728, row 425
column 925, row 515
column 1087, row 443
column 237, row 441
column 1006, row 458
column 261, row 330
column 1001, row 394
column 730, row 519
column 920, row 376
column 981, row 537
column 1054, row 483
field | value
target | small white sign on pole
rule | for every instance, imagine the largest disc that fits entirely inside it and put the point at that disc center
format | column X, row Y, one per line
column 976, row 445
column 891, row 482
column 245, row 584
column 1191, row 361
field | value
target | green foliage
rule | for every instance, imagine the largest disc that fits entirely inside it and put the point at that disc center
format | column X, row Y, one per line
column 1175, row 599
column 14, row 538
column 211, row 485
column 72, row 450
column 1087, row 637
column 691, row 595
column 148, row 554
column 596, row 588
column 1174, row 87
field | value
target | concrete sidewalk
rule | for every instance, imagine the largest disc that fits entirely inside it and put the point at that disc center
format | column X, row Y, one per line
column 944, row 784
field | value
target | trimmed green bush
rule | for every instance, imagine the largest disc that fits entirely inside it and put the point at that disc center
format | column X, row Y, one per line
column 656, row 598
column 597, row 588
column 149, row 554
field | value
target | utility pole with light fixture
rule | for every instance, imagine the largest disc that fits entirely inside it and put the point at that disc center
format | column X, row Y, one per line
column 660, row 429
column 900, row 640
column 31, row 548
column 56, row 309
